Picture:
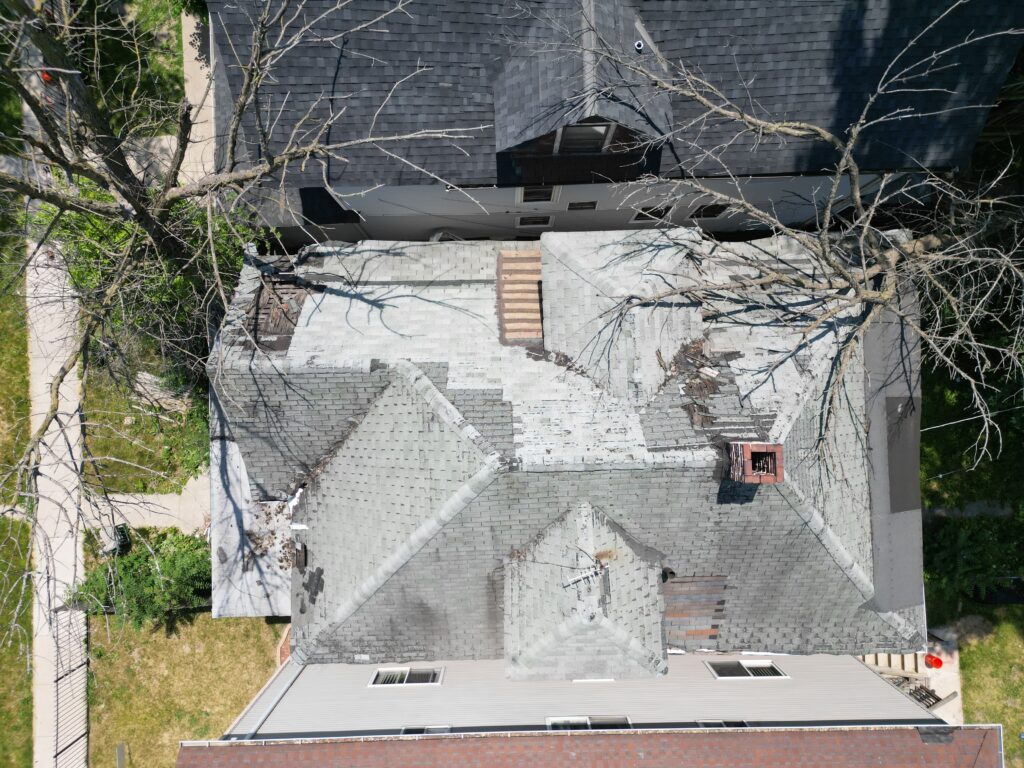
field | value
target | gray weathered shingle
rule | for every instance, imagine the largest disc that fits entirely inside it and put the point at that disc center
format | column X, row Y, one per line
column 455, row 462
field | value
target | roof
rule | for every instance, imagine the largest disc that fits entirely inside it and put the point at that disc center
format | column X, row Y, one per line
column 965, row 747
column 461, row 65
column 573, row 615
column 436, row 304
column 429, row 454
column 334, row 699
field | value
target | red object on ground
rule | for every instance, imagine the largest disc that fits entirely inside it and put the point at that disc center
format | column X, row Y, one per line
column 932, row 661
column 46, row 77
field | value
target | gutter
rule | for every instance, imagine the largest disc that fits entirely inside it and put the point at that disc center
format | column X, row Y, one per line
column 295, row 671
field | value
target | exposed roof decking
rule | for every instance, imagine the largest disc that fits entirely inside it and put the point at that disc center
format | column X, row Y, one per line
column 519, row 315
column 797, row 566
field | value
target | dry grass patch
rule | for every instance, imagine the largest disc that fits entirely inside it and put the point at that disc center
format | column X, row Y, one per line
column 16, row 636
column 992, row 672
column 150, row 689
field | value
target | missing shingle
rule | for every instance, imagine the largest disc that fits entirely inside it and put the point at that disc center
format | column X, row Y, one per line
column 314, row 584
column 936, row 734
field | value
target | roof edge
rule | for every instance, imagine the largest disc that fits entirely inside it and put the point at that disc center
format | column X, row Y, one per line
column 494, row 464
column 814, row 520
column 631, row 648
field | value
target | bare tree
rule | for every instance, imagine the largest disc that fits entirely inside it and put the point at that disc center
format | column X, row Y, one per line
column 141, row 248
column 150, row 253
column 941, row 254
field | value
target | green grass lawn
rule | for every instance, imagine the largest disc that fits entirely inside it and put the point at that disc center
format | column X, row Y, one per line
column 14, row 405
column 150, row 689
column 16, row 624
column 992, row 672
column 136, row 450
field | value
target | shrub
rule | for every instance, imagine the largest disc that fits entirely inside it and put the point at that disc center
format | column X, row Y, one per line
column 970, row 556
column 162, row 575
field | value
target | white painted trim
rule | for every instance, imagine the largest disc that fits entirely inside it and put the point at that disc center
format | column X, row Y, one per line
column 549, row 217
column 556, row 191
column 639, row 217
column 405, row 683
column 747, row 664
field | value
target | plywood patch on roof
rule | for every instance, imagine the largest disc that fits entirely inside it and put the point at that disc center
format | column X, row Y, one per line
column 694, row 609
column 519, row 301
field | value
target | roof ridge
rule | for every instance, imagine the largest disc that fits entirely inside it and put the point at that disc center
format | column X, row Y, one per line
column 493, row 465
column 834, row 545
column 442, row 406
column 632, row 648
column 404, row 552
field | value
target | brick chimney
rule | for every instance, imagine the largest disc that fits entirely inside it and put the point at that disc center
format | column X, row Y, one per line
column 755, row 463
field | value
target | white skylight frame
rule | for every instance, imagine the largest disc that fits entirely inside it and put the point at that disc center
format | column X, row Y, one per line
column 747, row 664
column 404, row 683
column 521, row 194
column 609, row 131
column 426, row 730
column 641, row 215
column 586, row 723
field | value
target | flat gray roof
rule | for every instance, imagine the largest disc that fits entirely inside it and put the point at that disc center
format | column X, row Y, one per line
column 324, row 699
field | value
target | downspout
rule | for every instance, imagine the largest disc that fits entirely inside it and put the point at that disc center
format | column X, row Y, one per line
column 589, row 38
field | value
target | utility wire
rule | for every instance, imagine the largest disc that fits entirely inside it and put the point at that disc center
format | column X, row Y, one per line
column 972, row 418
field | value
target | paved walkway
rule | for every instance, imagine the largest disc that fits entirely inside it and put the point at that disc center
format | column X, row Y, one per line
column 188, row 511
column 200, row 156
column 58, row 646
column 946, row 681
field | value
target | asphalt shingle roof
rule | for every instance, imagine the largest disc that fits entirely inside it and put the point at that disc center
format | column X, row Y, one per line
column 461, row 64
column 431, row 453
column 971, row 747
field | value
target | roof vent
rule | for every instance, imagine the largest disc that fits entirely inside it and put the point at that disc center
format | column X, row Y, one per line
column 639, row 46
column 755, row 462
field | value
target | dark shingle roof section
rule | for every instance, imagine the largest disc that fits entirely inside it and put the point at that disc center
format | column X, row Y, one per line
column 971, row 747
column 543, row 84
column 810, row 60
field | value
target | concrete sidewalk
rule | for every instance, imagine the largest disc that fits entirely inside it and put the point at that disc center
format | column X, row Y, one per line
column 59, row 642
column 59, row 714
column 188, row 511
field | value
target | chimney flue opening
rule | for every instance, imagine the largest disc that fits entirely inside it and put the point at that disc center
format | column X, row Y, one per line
column 755, row 463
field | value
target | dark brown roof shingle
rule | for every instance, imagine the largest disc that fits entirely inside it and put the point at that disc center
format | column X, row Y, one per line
column 971, row 747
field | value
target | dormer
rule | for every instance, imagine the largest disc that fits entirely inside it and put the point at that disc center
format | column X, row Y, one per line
column 565, row 108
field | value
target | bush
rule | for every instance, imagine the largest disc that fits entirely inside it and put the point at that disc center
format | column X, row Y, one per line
column 970, row 556
column 195, row 8
column 163, row 574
